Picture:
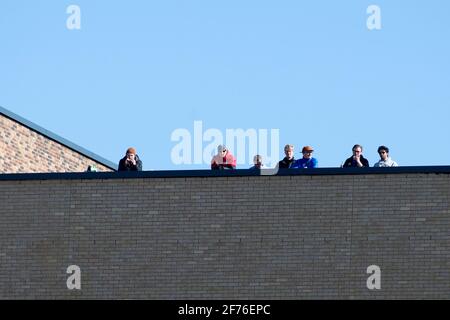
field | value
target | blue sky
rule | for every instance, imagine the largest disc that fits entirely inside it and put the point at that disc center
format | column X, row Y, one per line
column 137, row 71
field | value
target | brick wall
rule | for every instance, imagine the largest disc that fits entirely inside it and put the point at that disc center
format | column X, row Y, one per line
column 23, row 150
column 230, row 237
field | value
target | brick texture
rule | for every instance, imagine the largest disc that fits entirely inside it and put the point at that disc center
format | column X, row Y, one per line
column 23, row 151
column 259, row 237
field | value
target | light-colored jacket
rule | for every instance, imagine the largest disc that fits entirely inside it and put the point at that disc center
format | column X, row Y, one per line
column 386, row 163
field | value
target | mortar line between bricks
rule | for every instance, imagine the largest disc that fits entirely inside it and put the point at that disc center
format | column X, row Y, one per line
column 351, row 229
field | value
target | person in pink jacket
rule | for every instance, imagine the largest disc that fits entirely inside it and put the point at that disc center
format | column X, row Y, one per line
column 223, row 159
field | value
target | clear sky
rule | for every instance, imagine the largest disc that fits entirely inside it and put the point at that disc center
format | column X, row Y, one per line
column 137, row 71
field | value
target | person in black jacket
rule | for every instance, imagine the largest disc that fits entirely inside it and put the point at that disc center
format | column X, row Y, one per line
column 131, row 161
column 357, row 160
column 286, row 163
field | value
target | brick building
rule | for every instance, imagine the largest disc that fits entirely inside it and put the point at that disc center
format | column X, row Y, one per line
column 27, row 148
column 200, row 234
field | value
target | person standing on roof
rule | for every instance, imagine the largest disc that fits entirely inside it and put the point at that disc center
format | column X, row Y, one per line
column 223, row 160
column 307, row 161
column 131, row 161
column 385, row 159
column 357, row 160
column 257, row 162
column 288, row 160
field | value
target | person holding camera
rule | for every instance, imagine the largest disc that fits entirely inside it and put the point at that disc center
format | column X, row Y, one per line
column 131, row 161
column 258, row 163
column 223, row 160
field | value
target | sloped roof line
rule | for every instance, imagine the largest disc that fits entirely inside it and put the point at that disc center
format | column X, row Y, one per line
column 52, row 136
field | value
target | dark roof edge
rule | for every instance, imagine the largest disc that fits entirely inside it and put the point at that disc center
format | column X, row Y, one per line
column 57, row 138
column 224, row 173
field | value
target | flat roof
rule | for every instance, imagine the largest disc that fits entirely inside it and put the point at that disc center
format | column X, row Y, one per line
column 224, row 173
column 52, row 136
